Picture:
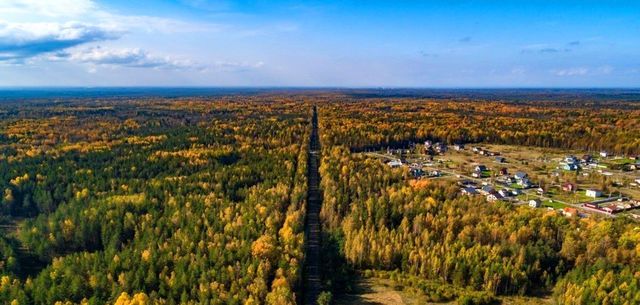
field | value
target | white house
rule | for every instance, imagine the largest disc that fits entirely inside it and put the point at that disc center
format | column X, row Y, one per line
column 504, row 193
column 525, row 183
column 480, row 168
column 493, row 197
column 535, row 203
column 520, row 175
column 604, row 154
column 394, row 163
column 593, row 193
column 570, row 159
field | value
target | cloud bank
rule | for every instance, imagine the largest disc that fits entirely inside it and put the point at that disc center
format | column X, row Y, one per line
column 62, row 27
column 125, row 57
column 19, row 41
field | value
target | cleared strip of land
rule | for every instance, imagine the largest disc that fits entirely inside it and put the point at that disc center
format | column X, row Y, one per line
column 312, row 285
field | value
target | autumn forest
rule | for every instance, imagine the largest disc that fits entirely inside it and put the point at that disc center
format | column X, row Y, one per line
column 206, row 200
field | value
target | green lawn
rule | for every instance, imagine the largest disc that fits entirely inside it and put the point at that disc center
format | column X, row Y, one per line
column 556, row 205
column 570, row 197
column 621, row 161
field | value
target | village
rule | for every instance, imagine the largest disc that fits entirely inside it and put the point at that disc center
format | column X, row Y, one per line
column 558, row 180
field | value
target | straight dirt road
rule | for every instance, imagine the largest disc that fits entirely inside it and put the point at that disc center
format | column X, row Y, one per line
column 312, row 285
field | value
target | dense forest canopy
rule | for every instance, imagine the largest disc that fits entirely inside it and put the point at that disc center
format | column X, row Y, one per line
column 383, row 221
column 591, row 126
column 171, row 201
column 202, row 200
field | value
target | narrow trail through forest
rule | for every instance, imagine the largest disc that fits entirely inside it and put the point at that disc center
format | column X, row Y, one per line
column 30, row 264
column 312, row 285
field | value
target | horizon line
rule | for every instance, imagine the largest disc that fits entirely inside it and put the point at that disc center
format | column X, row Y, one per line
column 329, row 87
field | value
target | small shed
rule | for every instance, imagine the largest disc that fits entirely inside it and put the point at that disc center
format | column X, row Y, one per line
column 593, row 193
column 535, row 203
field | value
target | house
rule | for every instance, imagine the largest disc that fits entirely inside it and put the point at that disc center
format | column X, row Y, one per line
column 394, row 163
column 440, row 148
column 466, row 183
column 427, row 144
column 569, row 212
column 540, row 190
column 469, row 191
column 416, row 172
column 476, row 149
column 520, row 175
column 504, row 193
column 501, row 160
column 487, row 189
column 569, row 187
column 480, row 168
column 570, row 167
column 458, row 146
column 435, row 173
column 593, row 164
column 570, row 160
column 593, row 193
column 525, row 183
column 476, row 175
column 587, row 159
column 535, row 203
column 493, row 197
column 504, row 171
column 515, row 192
column 638, row 181
column 604, row 154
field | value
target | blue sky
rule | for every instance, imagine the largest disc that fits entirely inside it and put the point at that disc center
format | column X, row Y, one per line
column 320, row 43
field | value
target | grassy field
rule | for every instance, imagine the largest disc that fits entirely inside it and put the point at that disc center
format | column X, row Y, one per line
column 556, row 205
column 379, row 291
column 576, row 197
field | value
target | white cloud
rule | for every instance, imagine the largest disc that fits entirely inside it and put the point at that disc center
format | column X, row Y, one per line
column 579, row 71
column 64, row 24
column 518, row 71
column 47, row 8
column 126, row 57
column 231, row 66
column 139, row 58
column 24, row 40
column 605, row 69
column 154, row 24
column 34, row 31
column 582, row 71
